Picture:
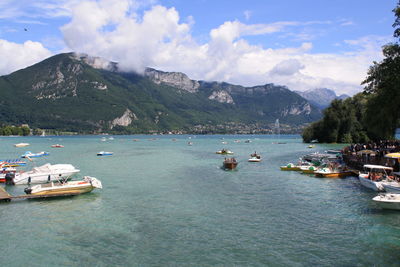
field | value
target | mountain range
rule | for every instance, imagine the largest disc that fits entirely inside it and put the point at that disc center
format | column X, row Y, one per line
column 75, row 92
column 321, row 97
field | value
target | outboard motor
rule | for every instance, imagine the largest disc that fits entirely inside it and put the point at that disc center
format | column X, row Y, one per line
column 10, row 178
column 28, row 190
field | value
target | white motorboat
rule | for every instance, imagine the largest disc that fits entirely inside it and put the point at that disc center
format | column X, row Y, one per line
column 21, row 144
column 391, row 186
column 105, row 153
column 45, row 173
column 254, row 157
column 374, row 176
column 65, row 187
column 388, row 201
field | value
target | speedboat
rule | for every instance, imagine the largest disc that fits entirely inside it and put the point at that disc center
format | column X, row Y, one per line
column 29, row 154
column 391, row 186
column 104, row 153
column 224, row 152
column 57, row 146
column 254, row 157
column 374, row 176
column 21, row 144
column 65, row 187
column 230, row 163
column 45, row 173
column 388, row 201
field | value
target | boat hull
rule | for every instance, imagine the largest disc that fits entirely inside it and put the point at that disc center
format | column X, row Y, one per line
column 374, row 185
column 65, row 191
column 389, row 187
column 388, row 201
column 334, row 174
column 293, row 168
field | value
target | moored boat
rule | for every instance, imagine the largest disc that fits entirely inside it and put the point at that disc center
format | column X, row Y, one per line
column 291, row 167
column 65, row 187
column 388, row 201
column 308, row 169
column 327, row 173
column 45, row 173
column 230, row 163
column 21, row 144
column 57, row 146
column 374, row 176
column 29, row 154
column 104, row 153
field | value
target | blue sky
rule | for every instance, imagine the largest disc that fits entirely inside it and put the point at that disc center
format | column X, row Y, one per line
column 301, row 44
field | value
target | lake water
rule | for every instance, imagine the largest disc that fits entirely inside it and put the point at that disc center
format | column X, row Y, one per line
column 165, row 203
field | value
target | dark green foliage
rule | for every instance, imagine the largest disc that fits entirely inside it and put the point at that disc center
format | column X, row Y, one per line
column 13, row 130
column 342, row 122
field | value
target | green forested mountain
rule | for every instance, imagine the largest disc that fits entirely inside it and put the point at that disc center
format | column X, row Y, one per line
column 67, row 92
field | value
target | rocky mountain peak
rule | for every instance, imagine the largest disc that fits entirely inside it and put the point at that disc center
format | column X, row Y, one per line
column 175, row 79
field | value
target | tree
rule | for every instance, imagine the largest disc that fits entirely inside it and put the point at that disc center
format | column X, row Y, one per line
column 383, row 84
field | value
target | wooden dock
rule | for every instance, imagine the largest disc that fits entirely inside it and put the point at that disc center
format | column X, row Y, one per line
column 6, row 197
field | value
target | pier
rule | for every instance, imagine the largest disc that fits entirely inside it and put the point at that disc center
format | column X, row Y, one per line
column 6, row 197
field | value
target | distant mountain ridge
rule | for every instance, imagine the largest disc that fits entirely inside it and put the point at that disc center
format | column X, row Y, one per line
column 321, row 97
column 75, row 92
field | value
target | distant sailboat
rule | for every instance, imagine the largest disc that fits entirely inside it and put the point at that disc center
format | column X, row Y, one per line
column 278, row 132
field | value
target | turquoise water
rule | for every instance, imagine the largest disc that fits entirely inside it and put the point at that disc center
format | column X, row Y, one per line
column 165, row 203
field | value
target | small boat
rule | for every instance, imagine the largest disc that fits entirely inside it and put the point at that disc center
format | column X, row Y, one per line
column 388, row 201
column 374, row 176
column 224, row 152
column 65, row 187
column 308, row 169
column 291, row 167
column 21, row 144
column 29, row 154
column 230, row 163
column 248, row 141
column 45, row 173
column 57, row 146
column 333, row 151
column 104, row 153
column 329, row 173
column 254, row 157
column 4, row 171
column 190, row 143
column 311, row 146
column 103, row 139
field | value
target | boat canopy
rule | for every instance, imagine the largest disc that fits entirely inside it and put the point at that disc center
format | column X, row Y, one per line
column 370, row 166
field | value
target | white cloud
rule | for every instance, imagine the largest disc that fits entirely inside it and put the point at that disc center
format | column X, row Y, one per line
column 139, row 34
column 17, row 56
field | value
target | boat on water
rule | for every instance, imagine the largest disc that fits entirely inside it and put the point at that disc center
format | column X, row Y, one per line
column 21, row 144
column 224, row 152
column 333, row 173
column 230, row 163
column 291, row 167
column 57, row 146
column 311, row 146
column 374, row 176
column 104, row 153
column 388, row 201
column 254, row 157
column 316, row 156
column 12, row 163
column 310, row 169
column 4, row 171
column 44, row 174
column 65, row 187
column 29, row 154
